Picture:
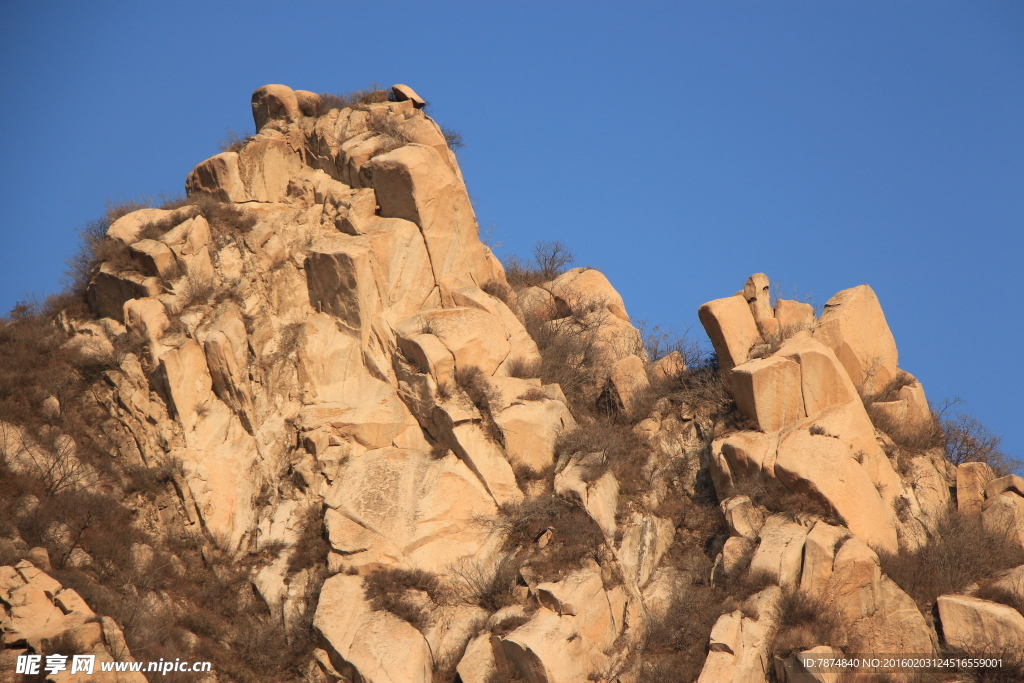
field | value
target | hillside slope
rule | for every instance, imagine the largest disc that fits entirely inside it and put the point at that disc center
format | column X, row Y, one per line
column 307, row 428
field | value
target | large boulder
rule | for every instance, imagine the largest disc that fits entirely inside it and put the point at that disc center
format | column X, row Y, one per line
column 821, row 466
column 732, row 329
column 476, row 339
column 366, row 644
column 1004, row 514
column 430, row 511
column 218, row 178
column 414, row 182
column 853, row 325
column 582, row 289
column 274, row 102
column 979, row 627
column 824, row 382
column 767, row 390
column 780, row 553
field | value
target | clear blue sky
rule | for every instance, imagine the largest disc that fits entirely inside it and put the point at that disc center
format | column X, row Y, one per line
column 679, row 147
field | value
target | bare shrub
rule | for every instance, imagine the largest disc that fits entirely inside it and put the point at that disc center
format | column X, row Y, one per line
column 312, row 547
column 476, row 585
column 225, row 219
column 234, row 141
column 194, row 290
column 390, row 132
column 499, row 290
column 453, row 138
column 990, row 591
column 659, row 343
column 623, row 452
column 796, row 506
column 394, row 590
column 550, row 259
column 773, row 341
column 967, row 440
column 523, row 368
column 960, row 552
column 575, row 535
column 372, row 95
column 805, row 622
column 676, row 647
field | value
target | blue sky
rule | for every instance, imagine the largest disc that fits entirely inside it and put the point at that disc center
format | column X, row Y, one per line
column 678, row 147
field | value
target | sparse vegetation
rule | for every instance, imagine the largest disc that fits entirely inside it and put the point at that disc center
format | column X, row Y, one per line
column 234, row 141
column 967, row 440
column 372, row 95
column 550, row 259
column 406, row 593
column 960, row 552
column 805, row 622
column 575, row 536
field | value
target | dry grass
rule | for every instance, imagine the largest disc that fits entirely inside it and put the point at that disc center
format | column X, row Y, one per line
column 406, row 593
column 622, row 450
column 772, row 342
column 389, row 131
column 312, row 547
column 911, row 435
column 990, row 591
column 805, row 622
column 234, row 141
column 575, row 535
column 371, row 95
column 960, row 553
column 499, row 290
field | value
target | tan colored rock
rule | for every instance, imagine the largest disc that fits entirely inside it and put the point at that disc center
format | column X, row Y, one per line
column 823, row 380
column 757, row 292
column 767, row 390
column 109, row 290
column 739, row 457
column 267, row 165
column 971, row 479
column 732, row 329
column 1004, row 514
column 479, row 663
column 147, row 319
column 743, row 517
column 629, row 383
column 274, row 102
column 794, row 316
column 979, row 627
column 582, row 289
column 1010, row 482
column 819, row 554
column 429, row 355
column 309, row 102
column 187, row 381
column 645, row 540
column 523, row 351
column 404, row 92
column 739, row 647
column 821, row 466
column 853, row 325
column 735, row 555
column 530, row 429
column 366, row 644
column 155, row 259
column 536, row 303
column 551, row 649
column 475, row 338
column 855, row 584
column 429, row 510
column 415, row 183
column 600, row 497
column 486, row 459
column 850, row 425
column 668, row 368
column 127, row 227
column 219, row 178
column 780, row 553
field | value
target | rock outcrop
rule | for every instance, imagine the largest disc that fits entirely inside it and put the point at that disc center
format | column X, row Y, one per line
column 318, row 386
